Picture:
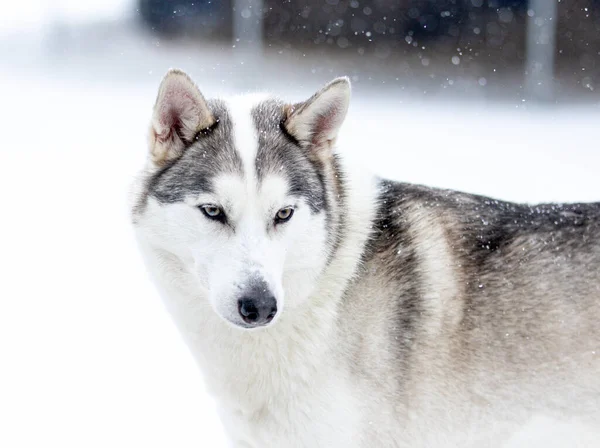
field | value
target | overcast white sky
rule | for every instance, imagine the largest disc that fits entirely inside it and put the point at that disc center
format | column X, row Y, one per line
column 35, row 14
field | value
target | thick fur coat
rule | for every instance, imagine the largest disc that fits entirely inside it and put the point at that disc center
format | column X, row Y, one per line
column 404, row 316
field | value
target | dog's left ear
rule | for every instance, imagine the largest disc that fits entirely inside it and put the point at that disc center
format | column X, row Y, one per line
column 317, row 121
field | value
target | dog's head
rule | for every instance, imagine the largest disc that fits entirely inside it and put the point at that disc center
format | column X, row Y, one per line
column 244, row 195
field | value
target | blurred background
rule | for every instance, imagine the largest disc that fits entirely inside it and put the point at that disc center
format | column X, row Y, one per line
column 497, row 97
column 508, row 50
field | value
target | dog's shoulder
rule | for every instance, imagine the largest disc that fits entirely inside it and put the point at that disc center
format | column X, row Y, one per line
column 475, row 225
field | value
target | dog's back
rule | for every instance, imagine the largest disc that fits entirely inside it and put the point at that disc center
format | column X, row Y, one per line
column 478, row 311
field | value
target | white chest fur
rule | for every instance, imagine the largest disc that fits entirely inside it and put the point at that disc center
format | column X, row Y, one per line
column 319, row 413
column 280, row 387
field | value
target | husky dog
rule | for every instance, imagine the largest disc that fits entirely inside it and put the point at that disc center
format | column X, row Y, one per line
column 333, row 309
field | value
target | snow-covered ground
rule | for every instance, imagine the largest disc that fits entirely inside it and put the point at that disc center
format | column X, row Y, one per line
column 88, row 355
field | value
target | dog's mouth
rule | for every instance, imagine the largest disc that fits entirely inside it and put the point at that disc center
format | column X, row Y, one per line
column 244, row 320
column 241, row 325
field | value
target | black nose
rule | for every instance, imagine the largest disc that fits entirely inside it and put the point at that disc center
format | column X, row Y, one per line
column 257, row 307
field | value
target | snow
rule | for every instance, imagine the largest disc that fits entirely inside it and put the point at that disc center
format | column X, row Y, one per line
column 88, row 355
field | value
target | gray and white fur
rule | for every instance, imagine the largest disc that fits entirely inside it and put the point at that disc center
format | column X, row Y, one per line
column 329, row 308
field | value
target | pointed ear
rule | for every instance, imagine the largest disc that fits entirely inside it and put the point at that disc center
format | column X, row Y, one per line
column 318, row 120
column 179, row 114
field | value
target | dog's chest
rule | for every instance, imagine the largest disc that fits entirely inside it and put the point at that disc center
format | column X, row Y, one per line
column 318, row 413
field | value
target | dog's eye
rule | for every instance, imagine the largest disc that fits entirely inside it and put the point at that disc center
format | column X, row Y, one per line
column 284, row 215
column 213, row 212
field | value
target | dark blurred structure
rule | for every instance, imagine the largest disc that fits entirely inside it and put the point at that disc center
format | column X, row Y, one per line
column 176, row 17
column 313, row 21
column 484, row 39
column 493, row 28
column 434, row 19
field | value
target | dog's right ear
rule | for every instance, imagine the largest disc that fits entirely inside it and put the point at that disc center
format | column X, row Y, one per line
column 179, row 114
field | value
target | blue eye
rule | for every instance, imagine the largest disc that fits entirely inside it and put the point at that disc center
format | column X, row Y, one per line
column 213, row 212
column 284, row 215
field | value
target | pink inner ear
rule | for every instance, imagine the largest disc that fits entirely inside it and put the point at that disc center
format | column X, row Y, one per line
column 324, row 124
column 321, row 127
column 178, row 110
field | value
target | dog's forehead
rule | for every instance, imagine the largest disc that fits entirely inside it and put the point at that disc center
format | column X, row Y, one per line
column 267, row 155
column 238, row 194
column 255, row 121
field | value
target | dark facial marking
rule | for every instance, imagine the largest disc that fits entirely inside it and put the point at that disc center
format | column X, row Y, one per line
column 285, row 132
column 279, row 152
column 211, row 154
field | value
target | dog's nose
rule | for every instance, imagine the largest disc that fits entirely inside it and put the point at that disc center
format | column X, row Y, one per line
column 257, row 308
